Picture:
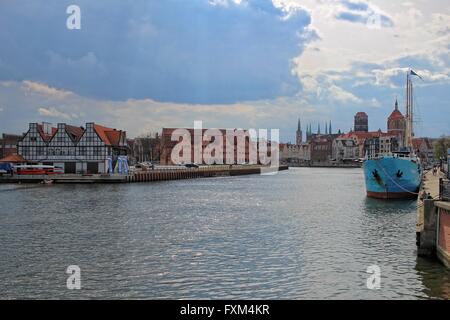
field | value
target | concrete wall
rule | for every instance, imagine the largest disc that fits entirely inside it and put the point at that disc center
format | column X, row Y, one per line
column 443, row 232
column 427, row 239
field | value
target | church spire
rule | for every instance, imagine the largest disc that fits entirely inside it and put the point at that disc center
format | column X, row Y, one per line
column 329, row 129
column 396, row 104
column 299, row 133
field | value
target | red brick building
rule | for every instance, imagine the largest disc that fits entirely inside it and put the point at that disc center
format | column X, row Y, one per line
column 396, row 124
column 361, row 122
column 8, row 144
column 238, row 149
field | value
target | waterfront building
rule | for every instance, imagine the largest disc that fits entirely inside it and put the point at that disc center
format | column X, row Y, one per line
column 382, row 145
column 361, row 122
column 74, row 149
column 396, row 124
column 232, row 151
column 295, row 154
column 145, row 149
column 344, row 149
column 359, row 137
column 8, row 144
column 424, row 149
column 321, row 149
column 320, row 145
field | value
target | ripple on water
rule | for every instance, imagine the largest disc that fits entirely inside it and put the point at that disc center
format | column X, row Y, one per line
column 304, row 233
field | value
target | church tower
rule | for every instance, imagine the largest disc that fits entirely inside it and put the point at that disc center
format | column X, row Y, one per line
column 299, row 133
column 396, row 124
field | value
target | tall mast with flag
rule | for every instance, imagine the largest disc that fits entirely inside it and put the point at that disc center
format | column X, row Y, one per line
column 409, row 134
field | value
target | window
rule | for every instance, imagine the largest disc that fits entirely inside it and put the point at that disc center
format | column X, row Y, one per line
column 97, row 151
column 82, row 151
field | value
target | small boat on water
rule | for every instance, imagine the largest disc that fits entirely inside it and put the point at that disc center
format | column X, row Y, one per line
column 397, row 174
column 47, row 181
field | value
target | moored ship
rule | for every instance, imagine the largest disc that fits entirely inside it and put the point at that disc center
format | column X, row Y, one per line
column 396, row 174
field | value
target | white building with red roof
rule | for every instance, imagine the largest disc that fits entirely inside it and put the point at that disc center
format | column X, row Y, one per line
column 75, row 149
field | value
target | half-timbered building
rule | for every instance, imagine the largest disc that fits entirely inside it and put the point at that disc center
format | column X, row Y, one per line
column 74, row 149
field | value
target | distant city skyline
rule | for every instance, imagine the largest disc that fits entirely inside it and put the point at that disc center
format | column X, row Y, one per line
column 144, row 65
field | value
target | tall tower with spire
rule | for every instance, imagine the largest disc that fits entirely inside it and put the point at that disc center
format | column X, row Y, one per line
column 396, row 124
column 299, row 133
column 329, row 129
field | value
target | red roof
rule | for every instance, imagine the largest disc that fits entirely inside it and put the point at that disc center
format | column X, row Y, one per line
column 74, row 132
column 110, row 137
column 365, row 135
column 46, row 137
column 113, row 137
column 396, row 115
column 13, row 158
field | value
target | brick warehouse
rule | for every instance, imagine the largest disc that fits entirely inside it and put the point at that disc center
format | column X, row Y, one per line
column 232, row 151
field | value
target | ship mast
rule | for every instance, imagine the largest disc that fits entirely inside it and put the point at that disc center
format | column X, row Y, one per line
column 409, row 111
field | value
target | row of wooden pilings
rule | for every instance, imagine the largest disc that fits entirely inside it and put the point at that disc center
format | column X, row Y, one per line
column 192, row 173
column 164, row 175
column 178, row 174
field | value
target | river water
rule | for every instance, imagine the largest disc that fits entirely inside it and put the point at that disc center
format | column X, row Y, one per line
column 301, row 234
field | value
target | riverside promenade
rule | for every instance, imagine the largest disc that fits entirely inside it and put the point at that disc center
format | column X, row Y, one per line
column 430, row 184
column 159, row 174
column 433, row 218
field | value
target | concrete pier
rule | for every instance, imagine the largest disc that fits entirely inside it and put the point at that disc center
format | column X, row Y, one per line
column 430, row 184
column 159, row 174
column 433, row 221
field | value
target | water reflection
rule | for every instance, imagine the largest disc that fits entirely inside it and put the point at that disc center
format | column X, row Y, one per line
column 435, row 278
column 304, row 233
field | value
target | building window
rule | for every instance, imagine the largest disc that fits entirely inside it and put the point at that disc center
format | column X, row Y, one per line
column 82, row 151
column 97, row 151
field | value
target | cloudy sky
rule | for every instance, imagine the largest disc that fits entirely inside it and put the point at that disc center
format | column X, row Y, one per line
column 140, row 65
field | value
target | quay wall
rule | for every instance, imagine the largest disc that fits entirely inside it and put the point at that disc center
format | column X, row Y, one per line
column 202, row 172
column 443, row 232
column 324, row 165
column 160, row 174
column 433, row 221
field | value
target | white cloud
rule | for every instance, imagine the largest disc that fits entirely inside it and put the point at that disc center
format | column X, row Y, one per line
column 339, row 94
column 139, row 116
column 44, row 90
column 422, row 31
column 54, row 113
column 224, row 3
column 384, row 77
